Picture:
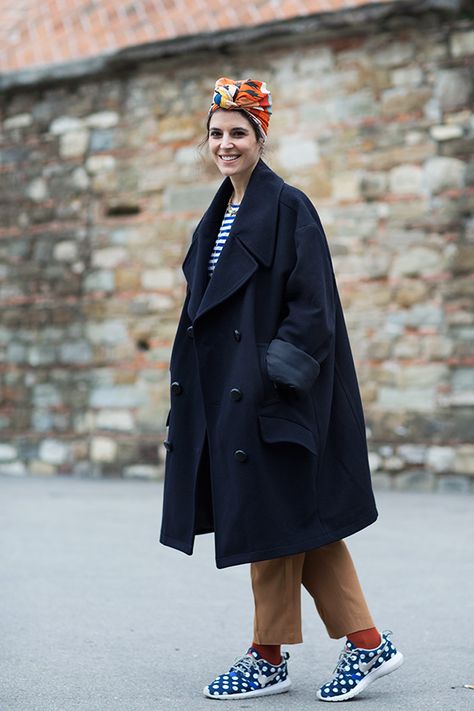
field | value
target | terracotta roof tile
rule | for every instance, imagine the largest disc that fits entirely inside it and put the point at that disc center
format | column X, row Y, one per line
column 34, row 34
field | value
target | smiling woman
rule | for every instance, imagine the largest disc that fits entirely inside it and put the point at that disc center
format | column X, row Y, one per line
column 266, row 444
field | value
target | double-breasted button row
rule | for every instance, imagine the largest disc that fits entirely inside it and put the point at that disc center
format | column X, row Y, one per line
column 190, row 331
column 167, row 445
column 237, row 334
column 236, row 394
column 176, row 388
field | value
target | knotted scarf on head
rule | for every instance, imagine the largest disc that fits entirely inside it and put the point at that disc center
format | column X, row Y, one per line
column 248, row 94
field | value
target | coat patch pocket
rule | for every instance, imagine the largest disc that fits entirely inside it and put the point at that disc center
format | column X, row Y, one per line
column 274, row 430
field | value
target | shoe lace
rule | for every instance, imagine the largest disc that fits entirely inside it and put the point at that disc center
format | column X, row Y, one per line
column 247, row 663
column 342, row 660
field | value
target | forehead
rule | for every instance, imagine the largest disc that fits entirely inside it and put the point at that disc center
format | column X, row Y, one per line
column 225, row 119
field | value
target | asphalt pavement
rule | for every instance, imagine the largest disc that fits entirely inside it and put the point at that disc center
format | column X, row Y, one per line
column 96, row 615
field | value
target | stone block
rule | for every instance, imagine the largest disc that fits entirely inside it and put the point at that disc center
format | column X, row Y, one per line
column 102, row 119
column 117, row 396
column 297, row 152
column 65, row 124
column 446, row 132
column 41, row 354
column 163, row 278
column 16, row 468
column 411, row 75
column 424, row 315
column 42, row 420
column 18, row 121
column 16, row 353
column 462, row 43
column 8, row 452
column 375, row 461
column 393, row 464
column 80, row 179
column 38, row 468
column 37, row 190
column 46, row 395
column 412, row 453
column 464, row 459
column 345, row 186
column 453, row 88
column 442, row 173
column 74, row 143
column 418, row 261
column 102, row 280
column 404, row 100
column 75, row 352
column 109, row 257
column 119, row 420
column 103, row 449
column 190, row 198
column 102, row 140
column 142, row 471
column 440, row 459
column 65, row 251
column 53, row 451
column 392, row 53
column 406, row 180
column 100, row 164
column 111, row 332
column 407, row 399
column 373, row 185
column 415, row 480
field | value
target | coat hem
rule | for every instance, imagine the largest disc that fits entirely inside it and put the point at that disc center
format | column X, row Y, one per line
column 300, row 547
column 177, row 544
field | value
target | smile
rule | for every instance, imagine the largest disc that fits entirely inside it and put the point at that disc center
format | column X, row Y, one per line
column 228, row 159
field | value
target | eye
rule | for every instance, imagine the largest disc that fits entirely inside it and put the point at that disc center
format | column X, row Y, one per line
column 214, row 133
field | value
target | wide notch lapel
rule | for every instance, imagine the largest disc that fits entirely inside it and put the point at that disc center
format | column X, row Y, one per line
column 251, row 241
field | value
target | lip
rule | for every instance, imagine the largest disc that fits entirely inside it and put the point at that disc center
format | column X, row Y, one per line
column 225, row 157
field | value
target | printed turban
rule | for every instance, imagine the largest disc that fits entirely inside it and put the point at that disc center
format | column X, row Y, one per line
column 248, row 94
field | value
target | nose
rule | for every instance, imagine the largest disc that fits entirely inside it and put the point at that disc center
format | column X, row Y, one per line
column 226, row 141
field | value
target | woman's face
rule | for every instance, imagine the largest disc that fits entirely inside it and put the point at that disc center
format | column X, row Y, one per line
column 233, row 144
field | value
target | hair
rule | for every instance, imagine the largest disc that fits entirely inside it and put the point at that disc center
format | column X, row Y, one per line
column 259, row 134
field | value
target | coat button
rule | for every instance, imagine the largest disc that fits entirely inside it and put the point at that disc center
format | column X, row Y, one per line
column 237, row 335
column 236, row 394
column 190, row 331
column 167, row 445
column 176, row 388
column 240, row 455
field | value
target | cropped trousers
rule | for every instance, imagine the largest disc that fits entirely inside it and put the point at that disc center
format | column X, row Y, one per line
column 328, row 574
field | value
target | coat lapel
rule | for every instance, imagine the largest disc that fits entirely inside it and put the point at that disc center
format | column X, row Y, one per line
column 251, row 241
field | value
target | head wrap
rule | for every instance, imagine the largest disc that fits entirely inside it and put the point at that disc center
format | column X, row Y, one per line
column 248, row 94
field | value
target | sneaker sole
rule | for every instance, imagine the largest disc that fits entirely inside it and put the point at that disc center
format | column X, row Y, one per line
column 279, row 688
column 386, row 668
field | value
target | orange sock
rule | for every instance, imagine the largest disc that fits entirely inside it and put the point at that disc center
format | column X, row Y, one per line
column 365, row 639
column 270, row 652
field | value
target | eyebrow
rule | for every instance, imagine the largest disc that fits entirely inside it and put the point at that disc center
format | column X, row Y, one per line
column 234, row 128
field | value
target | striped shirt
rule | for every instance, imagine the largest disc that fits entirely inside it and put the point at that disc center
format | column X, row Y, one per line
column 224, row 232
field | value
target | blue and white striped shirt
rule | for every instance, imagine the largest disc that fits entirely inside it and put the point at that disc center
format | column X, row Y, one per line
column 224, row 232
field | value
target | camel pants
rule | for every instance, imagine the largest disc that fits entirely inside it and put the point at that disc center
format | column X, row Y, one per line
column 328, row 574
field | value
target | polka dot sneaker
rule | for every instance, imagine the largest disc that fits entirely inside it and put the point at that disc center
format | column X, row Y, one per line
column 251, row 675
column 357, row 668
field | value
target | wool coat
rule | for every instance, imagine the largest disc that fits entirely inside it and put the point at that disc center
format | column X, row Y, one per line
column 266, row 442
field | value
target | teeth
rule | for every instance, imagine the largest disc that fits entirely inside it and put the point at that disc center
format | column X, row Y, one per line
column 229, row 158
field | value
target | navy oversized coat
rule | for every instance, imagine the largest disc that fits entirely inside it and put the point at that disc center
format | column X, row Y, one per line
column 266, row 443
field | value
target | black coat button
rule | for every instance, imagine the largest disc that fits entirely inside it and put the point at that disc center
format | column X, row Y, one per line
column 167, row 445
column 237, row 335
column 176, row 388
column 190, row 331
column 236, row 394
column 240, row 455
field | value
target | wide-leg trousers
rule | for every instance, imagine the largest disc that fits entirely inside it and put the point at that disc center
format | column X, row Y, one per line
column 328, row 574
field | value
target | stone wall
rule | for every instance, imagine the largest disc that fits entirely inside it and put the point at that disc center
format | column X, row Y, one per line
column 101, row 188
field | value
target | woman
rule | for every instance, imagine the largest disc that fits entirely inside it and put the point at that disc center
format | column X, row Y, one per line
column 266, row 444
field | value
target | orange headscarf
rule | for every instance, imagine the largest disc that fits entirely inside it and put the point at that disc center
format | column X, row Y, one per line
column 248, row 94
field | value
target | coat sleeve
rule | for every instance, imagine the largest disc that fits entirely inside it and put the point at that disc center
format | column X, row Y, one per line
column 304, row 336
